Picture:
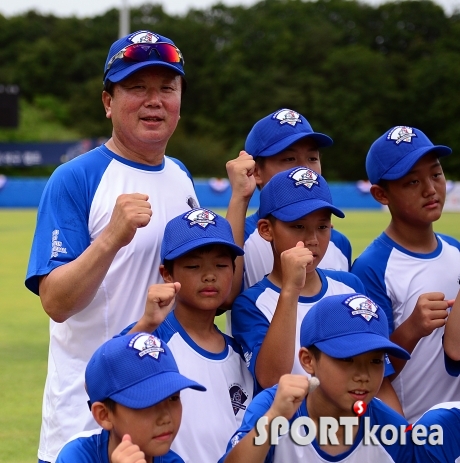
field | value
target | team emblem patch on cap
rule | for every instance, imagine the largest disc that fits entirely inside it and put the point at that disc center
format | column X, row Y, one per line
column 146, row 344
column 304, row 177
column 361, row 305
column 201, row 217
column 144, row 37
column 287, row 116
column 401, row 134
column 238, row 397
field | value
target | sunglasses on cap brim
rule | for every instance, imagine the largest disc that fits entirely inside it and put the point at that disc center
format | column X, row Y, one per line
column 139, row 52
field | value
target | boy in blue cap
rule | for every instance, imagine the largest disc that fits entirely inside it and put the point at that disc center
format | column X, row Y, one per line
column 410, row 271
column 133, row 385
column 197, row 255
column 295, row 220
column 282, row 140
column 344, row 339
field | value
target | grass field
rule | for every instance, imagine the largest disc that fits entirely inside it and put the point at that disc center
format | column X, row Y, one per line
column 24, row 325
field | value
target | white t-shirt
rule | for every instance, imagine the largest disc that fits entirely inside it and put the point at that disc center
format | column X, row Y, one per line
column 394, row 279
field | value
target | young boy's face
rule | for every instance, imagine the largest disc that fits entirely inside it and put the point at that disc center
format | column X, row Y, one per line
column 303, row 153
column 205, row 275
column 314, row 230
column 153, row 429
column 344, row 381
column 419, row 196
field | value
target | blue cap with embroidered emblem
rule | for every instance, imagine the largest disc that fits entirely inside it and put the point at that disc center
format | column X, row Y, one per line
column 279, row 130
column 196, row 228
column 347, row 325
column 135, row 370
column 294, row 193
column 138, row 50
column 393, row 154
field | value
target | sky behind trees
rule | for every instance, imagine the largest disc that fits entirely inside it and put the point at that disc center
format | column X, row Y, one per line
column 86, row 8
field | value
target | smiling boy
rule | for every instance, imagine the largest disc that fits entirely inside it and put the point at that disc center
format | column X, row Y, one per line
column 344, row 340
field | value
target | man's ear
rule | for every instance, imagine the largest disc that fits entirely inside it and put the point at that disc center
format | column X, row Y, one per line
column 107, row 101
column 167, row 277
column 102, row 415
column 264, row 228
column 379, row 194
column 307, row 360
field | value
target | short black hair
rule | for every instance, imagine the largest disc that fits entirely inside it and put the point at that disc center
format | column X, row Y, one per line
column 314, row 351
column 169, row 263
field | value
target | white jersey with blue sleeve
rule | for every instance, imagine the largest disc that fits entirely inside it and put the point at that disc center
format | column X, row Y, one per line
column 210, row 418
column 93, row 447
column 258, row 254
column 75, row 207
column 287, row 451
column 253, row 310
column 447, row 416
column 394, row 279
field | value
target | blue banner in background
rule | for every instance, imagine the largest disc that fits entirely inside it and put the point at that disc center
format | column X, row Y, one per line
column 43, row 154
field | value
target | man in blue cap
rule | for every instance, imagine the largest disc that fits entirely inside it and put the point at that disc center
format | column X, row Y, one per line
column 96, row 249
column 410, row 271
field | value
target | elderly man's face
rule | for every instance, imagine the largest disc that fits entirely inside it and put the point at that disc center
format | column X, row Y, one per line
column 145, row 110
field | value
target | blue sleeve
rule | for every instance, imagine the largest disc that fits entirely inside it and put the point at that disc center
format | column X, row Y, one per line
column 370, row 268
column 449, row 451
column 61, row 233
column 381, row 414
column 342, row 243
column 257, row 408
column 249, row 327
column 78, row 451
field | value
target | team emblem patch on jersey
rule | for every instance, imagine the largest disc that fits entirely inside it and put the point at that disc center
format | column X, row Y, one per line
column 146, row 344
column 401, row 134
column 361, row 305
column 304, row 177
column 238, row 397
column 201, row 217
column 144, row 37
column 287, row 116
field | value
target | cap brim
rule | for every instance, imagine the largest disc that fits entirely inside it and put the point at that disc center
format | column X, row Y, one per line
column 321, row 140
column 191, row 245
column 118, row 76
column 403, row 167
column 154, row 390
column 359, row 343
column 297, row 210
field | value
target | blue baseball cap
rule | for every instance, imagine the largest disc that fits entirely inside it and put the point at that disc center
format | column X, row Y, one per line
column 279, row 130
column 136, row 370
column 346, row 325
column 294, row 193
column 393, row 154
column 196, row 228
column 116, row 69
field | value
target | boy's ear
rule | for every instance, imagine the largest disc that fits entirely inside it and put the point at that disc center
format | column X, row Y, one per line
column 307, row 360
column 265, row 229
column 256, row 175
column 167, row 277
column 102, row 415
column 379, row 194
